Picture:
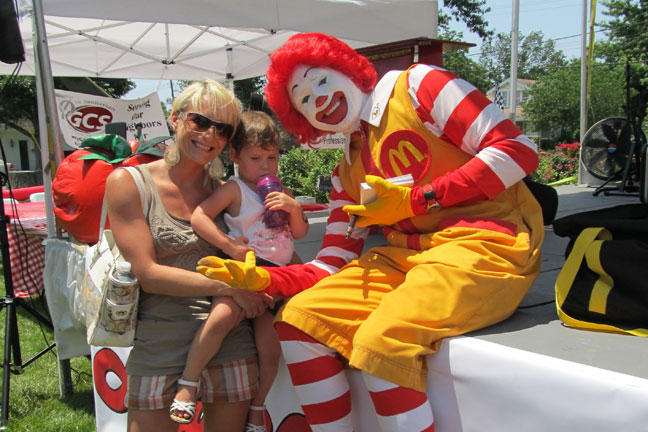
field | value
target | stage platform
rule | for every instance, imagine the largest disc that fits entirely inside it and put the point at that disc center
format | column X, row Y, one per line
column 530, row 372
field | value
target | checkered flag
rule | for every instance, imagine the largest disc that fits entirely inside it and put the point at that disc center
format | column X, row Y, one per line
column 497, row 98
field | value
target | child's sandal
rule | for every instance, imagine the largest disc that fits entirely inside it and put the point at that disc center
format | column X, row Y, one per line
column 180, row 407
column 255, row 428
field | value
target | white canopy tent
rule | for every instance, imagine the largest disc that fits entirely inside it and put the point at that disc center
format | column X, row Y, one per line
column 192, row 39
column 196, row 39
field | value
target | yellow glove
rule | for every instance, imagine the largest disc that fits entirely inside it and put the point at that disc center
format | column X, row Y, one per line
column 392, row 204
column 242, row 275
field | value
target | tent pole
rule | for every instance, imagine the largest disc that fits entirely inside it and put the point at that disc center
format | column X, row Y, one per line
column 229, row 69
column 229, row 75
column 44, row 147
column 51, row 155
column 514, row 60
column 583, row 90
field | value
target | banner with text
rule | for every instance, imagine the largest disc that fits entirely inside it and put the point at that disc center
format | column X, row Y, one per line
column 82, row 115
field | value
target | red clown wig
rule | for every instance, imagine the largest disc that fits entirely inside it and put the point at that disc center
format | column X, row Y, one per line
column 315, row 50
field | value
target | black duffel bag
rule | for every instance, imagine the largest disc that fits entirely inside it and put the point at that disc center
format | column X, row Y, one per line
column 604, row 282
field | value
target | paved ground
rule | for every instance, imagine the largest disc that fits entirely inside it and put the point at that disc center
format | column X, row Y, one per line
column 535, row 326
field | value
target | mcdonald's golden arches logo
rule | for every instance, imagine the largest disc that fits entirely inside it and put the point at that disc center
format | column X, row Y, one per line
column 405, row 152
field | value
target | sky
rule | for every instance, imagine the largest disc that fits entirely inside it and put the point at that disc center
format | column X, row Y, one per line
column 559, row 20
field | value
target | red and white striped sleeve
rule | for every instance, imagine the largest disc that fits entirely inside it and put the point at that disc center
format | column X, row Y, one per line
column 454, row 110
column 336, row 250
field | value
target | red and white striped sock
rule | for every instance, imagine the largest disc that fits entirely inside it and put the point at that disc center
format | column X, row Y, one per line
column 399, row 408
column 318, row 377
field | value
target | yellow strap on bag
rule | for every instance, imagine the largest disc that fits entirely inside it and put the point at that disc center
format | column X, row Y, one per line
column 587, row 248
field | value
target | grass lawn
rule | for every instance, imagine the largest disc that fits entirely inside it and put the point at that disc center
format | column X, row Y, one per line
column 34, row 402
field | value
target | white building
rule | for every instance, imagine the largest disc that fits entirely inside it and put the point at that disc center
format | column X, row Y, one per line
column 522, row 93
column 19, row 150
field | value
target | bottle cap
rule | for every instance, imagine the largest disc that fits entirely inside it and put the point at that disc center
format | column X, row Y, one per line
column 268, row 179
column 123, row 266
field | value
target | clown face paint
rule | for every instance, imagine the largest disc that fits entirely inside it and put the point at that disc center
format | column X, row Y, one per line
column 328, row 99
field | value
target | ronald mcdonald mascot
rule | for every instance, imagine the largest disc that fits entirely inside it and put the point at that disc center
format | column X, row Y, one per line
column 462, row 243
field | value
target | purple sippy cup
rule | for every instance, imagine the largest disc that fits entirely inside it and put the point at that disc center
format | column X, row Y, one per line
column 271, row 218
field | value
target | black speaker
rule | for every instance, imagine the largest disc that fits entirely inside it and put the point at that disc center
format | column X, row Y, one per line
column 11, row 44
column 116, row 128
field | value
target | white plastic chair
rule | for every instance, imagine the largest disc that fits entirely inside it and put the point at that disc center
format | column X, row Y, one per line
column 37, row 197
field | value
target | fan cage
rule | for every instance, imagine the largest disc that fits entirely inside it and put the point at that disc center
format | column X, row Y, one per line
column 606, row 147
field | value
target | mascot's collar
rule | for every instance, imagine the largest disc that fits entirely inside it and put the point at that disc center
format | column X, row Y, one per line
column 374, row 108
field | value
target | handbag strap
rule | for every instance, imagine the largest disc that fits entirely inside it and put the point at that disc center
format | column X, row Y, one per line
column 141, row 189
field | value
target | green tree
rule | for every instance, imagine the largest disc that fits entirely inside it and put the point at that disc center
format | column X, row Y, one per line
column 458, row 62
column 299, row 170
column 115, row 87
column 535, row 56
column 628, row 46
column 166, row 109
column 18, row 105
column 470, row 12
column 554, row 102
column 243, row 89
column 627, row 28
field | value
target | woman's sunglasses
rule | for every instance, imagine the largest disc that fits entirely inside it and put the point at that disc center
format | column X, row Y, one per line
column 200, row 123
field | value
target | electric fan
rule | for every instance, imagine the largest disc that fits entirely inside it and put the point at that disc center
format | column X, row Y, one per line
column 606, row 148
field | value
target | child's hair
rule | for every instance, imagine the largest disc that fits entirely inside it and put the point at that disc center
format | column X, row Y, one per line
column 256, row 129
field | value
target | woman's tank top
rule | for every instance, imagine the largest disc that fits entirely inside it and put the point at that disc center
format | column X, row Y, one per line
column 166, row 325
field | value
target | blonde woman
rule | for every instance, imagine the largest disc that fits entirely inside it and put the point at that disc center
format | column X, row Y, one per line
column 163, row 251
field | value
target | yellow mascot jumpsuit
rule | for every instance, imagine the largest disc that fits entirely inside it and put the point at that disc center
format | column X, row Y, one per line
column 442, row 274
